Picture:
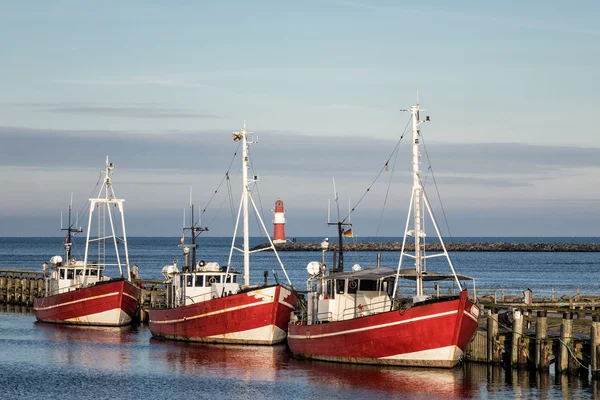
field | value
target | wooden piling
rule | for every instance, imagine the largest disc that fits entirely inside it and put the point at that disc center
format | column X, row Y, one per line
column 517, row 335
column 566, row 333
column 2, row 289
column 542, row 356
column 594, row 344
column 493, row 351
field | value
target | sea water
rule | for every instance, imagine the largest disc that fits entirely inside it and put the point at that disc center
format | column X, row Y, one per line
column 43, row 361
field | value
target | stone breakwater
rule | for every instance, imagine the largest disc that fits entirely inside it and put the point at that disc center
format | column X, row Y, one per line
column 479, row 246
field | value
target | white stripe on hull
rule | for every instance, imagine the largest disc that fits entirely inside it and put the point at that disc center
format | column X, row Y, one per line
column 368, row 328
column 449, row 353
column 78, row 301
column 267, row 335
column 114, row 317
column 265, row 299
column 446, row 357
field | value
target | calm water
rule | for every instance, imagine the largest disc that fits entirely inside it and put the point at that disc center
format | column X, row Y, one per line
column 40, row 361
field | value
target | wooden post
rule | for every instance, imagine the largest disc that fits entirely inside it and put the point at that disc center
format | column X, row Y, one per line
column 2, row 289
column 378, row 259
column 541, row 331
column 517, row 334
column 566, row 333
column 492, row 335
column 594, row 343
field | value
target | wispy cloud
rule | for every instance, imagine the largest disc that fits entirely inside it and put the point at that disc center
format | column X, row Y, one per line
column 137, row 110
column 356, row 4
column 180, row 81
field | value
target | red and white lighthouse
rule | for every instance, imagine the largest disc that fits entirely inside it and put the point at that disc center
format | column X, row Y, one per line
column 279, row 223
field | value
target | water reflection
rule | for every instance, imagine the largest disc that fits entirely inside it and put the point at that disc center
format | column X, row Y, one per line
column 273, row 363
column 16, row 308
column 422, row 381
column 230, row 361
column 90, row 346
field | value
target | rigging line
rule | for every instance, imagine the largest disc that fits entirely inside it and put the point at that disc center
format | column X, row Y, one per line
column 381, row 171
column 225, row 177
column 387, row 194
column 436, row 188
column 230, row 196
column 217, row 213
column 84, row 208
column 262, row 212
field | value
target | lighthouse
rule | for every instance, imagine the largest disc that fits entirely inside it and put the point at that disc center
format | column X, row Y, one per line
column 278, row 223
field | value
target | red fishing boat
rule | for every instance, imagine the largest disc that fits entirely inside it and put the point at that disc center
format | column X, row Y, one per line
column 363, row 317
column 78, row 292
column 207, row 302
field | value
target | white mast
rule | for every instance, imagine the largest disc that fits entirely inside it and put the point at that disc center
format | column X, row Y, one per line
column 418, row 198
column 243, row 210
column 417, row 195
column 245, row 194
column 104, row 203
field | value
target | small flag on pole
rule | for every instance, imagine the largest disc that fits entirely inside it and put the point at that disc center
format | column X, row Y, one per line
column 182, row 239
column 348, row 233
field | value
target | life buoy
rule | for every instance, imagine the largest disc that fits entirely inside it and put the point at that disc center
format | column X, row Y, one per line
column 212, row 279
column 353, row 285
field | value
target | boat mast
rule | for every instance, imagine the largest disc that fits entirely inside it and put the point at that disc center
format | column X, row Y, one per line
column 70, row 230
column 419, row 204
column 195, row 231
column 104, row 203
column 417, row 196
column 243, row 211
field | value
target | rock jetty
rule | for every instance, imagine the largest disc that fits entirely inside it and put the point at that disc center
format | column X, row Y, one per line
column 479, row 246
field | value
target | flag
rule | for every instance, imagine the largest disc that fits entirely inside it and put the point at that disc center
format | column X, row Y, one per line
column 348, row 233
column 182, row 239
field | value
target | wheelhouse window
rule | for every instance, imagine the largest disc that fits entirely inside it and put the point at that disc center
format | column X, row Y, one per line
column 339, row 286
column 352, row 286
column 62, row 273
column 329, row 291
column 368, row 285
column 210, row 279
column 70, row 274
column 189, row 280
column 199, row 280
column 78, row 272
column 231, row 278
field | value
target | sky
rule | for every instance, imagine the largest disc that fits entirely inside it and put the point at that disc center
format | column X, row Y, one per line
column 511, row 88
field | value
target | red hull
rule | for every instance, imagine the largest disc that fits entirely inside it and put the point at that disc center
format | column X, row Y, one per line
column 106, row 304
column 259, row 316
column 430, row 335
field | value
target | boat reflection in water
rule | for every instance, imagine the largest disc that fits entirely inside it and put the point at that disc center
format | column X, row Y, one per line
column 107, row 348
column 228, row 361
column 430, row 382
column 275, row 363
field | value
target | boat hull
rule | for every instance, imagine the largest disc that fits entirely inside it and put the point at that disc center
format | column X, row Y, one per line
column 112, row 303
column 258, row 316
column 433, row 334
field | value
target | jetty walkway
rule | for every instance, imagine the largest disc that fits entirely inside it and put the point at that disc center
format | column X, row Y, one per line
column 478, row 246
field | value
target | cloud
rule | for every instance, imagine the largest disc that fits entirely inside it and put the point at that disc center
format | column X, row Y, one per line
column 291, row 153
column 138, row 110
column 138, row 80
column 486, row 188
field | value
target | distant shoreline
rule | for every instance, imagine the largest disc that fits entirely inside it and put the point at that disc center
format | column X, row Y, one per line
column 473, row 247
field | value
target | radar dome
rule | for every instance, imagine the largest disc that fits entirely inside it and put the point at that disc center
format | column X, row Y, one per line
column 313, row 268
column 169, row 270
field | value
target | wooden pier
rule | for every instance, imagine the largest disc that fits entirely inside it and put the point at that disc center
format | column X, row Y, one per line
column 527, row 337
column 20, row 287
